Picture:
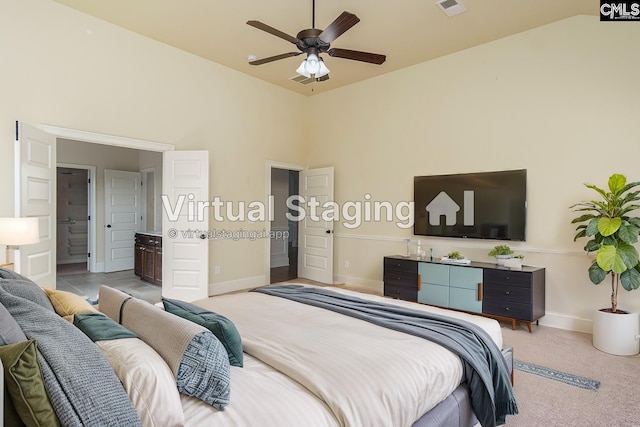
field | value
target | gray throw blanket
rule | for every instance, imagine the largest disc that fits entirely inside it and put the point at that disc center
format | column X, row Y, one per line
column 485, row 370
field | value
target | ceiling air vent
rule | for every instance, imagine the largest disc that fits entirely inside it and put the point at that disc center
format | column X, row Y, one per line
column 451, row 7
column 302, row 79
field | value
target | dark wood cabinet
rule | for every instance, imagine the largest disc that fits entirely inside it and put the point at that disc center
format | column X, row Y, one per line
column 513, row 294
column 401, row 279
column 148, row 257
column 487, row 289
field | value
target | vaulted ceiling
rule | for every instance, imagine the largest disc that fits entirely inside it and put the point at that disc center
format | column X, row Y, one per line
column 406, row 31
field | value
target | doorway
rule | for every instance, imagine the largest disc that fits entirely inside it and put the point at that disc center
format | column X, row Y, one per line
column 284, row 238
column 75, row 218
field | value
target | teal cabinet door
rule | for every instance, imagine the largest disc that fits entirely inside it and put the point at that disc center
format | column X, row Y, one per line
column 434, row 274
column 464, row 283
column 434, row 295
column 464, row 299
column 465, row 277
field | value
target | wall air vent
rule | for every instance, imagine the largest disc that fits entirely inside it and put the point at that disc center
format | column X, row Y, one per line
column 302, row 79
column 451, row 7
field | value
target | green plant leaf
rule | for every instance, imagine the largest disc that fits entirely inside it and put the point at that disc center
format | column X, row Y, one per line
column 630, row 279
column 609, row 240
column 628, row 233
column 598, row 189
column 592, row 246
column 629, row 255
column 634, row 221
column 617, row 183
column 608, row 226
column 609, row 259
column 596, row 274
column 583, row 218
column 592, row 227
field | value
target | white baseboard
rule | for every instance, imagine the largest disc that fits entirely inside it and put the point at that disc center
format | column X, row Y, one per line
column 236, row 285
column 72, row 261
column 563, row 321
column 281, row 260
column 357, row 282
column 99, row 267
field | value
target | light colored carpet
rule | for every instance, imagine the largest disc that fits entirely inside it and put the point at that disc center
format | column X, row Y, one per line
column 546, row 402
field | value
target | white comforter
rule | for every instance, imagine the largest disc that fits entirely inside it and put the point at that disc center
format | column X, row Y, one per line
column 367, row 375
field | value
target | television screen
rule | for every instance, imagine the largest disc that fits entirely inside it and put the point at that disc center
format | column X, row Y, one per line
column 484, row 205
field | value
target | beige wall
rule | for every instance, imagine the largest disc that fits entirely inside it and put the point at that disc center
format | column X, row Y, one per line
column 560, row 101
column 550, row 100
column 64, row 68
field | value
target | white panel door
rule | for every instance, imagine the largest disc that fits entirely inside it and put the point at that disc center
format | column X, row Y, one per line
column 122, row 217
column 315, row 247
column 185, row 246
column 36, row 197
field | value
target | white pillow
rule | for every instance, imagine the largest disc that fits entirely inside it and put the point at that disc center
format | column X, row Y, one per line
column 149, row 382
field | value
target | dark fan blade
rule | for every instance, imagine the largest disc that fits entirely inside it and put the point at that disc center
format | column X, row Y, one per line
column 323, row 78
column 342, row 23
column 264, row 27
column 356, row 55
column 274, row 58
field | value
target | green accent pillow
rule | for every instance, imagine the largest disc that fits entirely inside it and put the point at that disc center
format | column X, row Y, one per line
column 99, row 327
column 220, row 326
column 25, row 386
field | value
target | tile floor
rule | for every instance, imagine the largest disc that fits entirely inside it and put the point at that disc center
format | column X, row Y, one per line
column 75, row 278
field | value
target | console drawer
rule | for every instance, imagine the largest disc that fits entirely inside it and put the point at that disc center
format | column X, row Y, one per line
column 397, row 278
column 507, row 293
column 401, row 292
column 400, row 265
column 507, row 309
column 507, row 277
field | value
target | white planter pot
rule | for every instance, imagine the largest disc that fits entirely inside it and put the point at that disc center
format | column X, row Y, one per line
column 500, row 259
column 616, row 333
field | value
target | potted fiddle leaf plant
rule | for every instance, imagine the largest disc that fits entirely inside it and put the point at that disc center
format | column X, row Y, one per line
column 612, row 230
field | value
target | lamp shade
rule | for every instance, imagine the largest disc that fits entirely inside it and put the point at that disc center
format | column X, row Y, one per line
column 19, row 231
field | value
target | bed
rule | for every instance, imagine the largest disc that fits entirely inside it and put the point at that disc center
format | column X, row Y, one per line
column 302, row 364
column 364, row 374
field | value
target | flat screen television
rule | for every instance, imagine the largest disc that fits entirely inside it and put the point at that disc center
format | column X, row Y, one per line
column 484, row 205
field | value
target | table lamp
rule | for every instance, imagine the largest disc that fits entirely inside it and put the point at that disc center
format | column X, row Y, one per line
column 15, row 232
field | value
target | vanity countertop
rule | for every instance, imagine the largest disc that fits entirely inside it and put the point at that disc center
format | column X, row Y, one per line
column 150, row 233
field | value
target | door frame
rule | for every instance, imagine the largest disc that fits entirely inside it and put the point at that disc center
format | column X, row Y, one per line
column 91, row 211
column 145, row 192
column 104, row 139
column 272, row 164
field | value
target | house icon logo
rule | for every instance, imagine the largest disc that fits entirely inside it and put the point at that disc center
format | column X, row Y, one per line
column 444, row 205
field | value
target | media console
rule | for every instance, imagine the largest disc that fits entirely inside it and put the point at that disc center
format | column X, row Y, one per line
column 483, row 288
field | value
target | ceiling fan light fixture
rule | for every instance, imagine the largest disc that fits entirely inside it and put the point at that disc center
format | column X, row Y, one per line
column 312, row 64
column 323, row 71
column 302, row 69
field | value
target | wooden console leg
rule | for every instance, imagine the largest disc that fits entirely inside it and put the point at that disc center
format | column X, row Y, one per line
column 513, row 324
column 529, row 326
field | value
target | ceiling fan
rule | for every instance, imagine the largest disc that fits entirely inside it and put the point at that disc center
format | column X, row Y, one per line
column 313, row 42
